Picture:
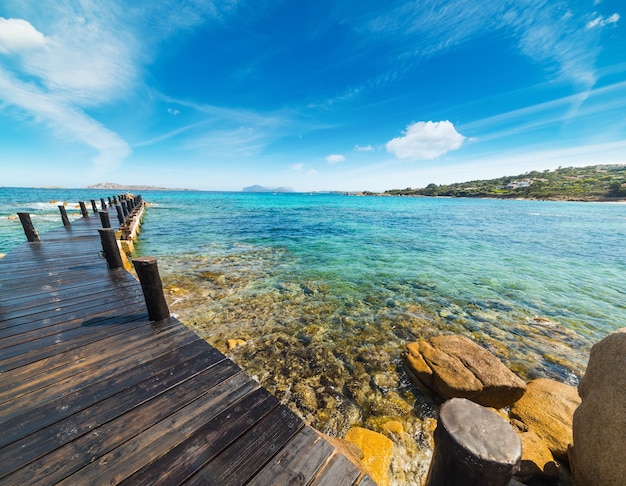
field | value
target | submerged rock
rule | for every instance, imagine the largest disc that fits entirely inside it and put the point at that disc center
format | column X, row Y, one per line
column 455, row 366
column 547, row 408
column 600, row 421
column 377, row 450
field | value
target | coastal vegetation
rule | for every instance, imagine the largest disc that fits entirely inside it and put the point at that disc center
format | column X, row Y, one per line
column 591, row 183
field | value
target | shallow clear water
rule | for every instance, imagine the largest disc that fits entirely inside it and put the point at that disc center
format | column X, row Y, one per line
column 326, row 290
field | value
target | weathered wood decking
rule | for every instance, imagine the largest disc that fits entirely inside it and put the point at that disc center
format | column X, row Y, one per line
column 92, row 392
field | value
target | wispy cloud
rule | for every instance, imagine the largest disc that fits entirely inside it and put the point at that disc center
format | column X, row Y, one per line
column 299, row 167
column 601, row 21
column 335, row 159
column 425, row 141
column 366, row 148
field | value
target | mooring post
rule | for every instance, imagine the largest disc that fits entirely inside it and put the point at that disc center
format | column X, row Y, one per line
column 103, row 203
column 110, row 248
column 93, row 206
column 83, row 209
column 120, row 214
column 104, row 218
column 473, row 446
column 109, row 198
column 148, row 273
column 124, row 209
column 64, row 218
column 29, row 229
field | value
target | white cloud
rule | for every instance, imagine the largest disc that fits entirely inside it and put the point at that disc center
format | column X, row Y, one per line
column 18, row 35
column 173, row 112
column 335, row 158
column 425, row 141
column 601, row 21
column 67, row 121
column 299, row 167
column 367, row 148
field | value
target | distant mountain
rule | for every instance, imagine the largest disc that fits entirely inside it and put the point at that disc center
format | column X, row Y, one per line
column 257, row 188
column 122, row 187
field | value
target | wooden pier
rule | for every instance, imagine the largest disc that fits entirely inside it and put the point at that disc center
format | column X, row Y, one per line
column 93, row 392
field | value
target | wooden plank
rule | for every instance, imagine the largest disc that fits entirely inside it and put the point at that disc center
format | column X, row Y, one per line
column 40, row 396
column 34, row 446
column 251, row 451
column 123, row 352
column 339, row 471
column 298, row 462
column 209, row 440
column 59, row 408
column 148, row 439
column 9, row 359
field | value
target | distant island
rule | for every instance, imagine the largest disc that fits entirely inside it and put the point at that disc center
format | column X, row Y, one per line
column 591, row 183
column 257, row 188
column 122, row 187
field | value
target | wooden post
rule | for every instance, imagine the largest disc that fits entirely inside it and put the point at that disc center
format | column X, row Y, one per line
column 29, row 229
column 104, row 218
column 120, row 214
column 83, row 209
column 473, row 446
column 110, row 248
column 93, row 206
column 103, row 204
column 64, row 218
column 124, row 208
column 148, row 273
column 109, row 198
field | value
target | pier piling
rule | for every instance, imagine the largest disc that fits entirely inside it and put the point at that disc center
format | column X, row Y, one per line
column 473, row 446
column 83, row 209
column 104, row 218
column 64, row 218
column 152, row 287
column 29, row 229
column 110, row 248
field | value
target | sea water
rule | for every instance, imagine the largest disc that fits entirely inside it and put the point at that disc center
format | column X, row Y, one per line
column 325, row 290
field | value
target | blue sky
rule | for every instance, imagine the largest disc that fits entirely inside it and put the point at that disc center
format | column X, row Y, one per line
column 325, row 95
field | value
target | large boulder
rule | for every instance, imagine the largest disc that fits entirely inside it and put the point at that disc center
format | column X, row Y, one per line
column 547, row 408
column 598, row 455
column 455, row 366
column 537, row 460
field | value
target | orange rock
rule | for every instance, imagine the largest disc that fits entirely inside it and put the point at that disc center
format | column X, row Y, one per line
column 377, row 450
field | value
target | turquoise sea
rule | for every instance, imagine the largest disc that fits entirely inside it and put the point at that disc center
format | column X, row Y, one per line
column 327, row 289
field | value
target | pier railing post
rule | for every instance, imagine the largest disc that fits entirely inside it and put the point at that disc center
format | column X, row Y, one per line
column 110, row 248
column 94, row 206
column 104, row 218
column 103, row 203
column 29, row 229
column 148, row 273
column 64, row 218
column 120, row 214
column 473, row 446
column 83, row 209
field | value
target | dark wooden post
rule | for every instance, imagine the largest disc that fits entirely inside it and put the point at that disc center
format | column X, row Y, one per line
column 29, row 229
column 473, row 446
column 110, row 248
column 124, row 208
column 104, row 218
column 64, row 218
column 120, row 214
column 103, row 204
column 109, row 198
column 83, row 209
column 93, row 206
column 148, row 273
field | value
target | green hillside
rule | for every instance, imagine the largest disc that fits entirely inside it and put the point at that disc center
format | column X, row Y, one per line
column 592, row 183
